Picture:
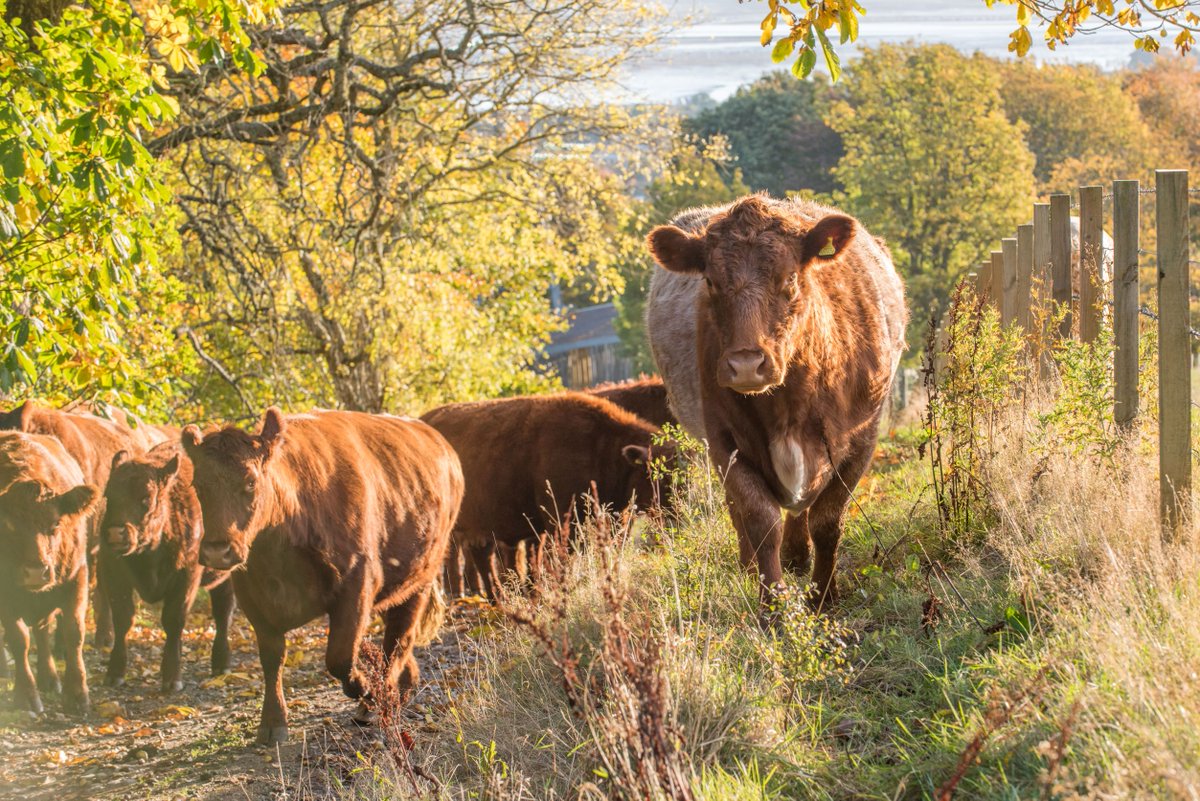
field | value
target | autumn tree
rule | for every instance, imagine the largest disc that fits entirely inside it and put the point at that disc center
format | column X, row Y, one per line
column 375, row 224
column 932, row 164
column 1168, row 95
column 797, row 30
column 1082, row 127
column 776, row 134
column 84, row 211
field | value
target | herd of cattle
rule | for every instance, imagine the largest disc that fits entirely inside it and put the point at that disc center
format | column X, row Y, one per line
column 777, row 326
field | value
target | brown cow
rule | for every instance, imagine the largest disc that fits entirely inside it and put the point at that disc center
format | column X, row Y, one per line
column 777, row 327
column 44, row 504
column 530, row 461
column 92, row 441
column 151, row 542
column 334, row 513
column 646, row 397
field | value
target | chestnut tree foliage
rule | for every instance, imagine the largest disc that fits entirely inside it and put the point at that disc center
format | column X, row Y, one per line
column 803, row 30
column 374, row 223
column 348, row 202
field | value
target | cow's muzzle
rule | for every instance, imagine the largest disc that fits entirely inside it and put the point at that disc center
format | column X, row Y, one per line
column 36, row 578
column 219, row 555
column 745, row 371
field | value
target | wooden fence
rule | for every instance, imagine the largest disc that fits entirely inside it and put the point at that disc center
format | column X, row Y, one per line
column 1040, row 258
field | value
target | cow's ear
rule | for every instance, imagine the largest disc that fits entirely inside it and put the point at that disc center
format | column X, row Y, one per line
column 24, row 492
column 19, row 419
column 191, row 437
column 272, row 427
column 828, row 238
column 636, row 454
column 79, row 500
column 169, row 469
column 119, row 458
column 676, row 250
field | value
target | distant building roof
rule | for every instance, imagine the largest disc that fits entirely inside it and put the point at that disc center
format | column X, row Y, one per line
column 588, row 327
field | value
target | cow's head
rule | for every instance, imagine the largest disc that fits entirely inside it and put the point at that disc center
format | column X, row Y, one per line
column 34, row 522
column 138, row 502
column 19, row 418
column 649, row 476
column 756, row 262
column 230, row 476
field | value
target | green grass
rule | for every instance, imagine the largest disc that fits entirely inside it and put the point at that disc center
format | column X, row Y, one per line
column 1064, row 642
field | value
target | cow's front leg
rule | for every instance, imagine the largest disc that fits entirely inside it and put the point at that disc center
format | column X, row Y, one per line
column 759, row 525
column 47, row 672
column 73, row 623
column 795, row 552
column 348, row 621
column 825, row 523
column 25, row 693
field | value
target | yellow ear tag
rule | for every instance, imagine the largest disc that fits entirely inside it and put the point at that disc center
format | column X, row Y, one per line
column 828, row 250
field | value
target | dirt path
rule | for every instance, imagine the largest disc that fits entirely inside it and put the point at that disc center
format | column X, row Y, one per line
column 199, row 743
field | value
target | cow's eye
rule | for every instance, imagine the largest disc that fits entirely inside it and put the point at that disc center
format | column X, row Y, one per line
column 708, row 282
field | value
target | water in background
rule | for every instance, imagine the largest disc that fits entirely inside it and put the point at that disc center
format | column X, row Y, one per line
column 719, row 50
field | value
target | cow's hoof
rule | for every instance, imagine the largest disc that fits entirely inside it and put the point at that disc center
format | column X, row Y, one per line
column 51, row 686
column 353, row 688
column 170, row 688
column 36, row 708
column 271, row 735
column 364, row 715
column 113, row 680
column 102, row 643
column 78, row 706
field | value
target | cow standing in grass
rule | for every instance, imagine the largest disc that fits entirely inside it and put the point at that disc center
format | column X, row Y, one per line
column 534, row 464
column 334, row 513
column 44, row 507
column 777, row 327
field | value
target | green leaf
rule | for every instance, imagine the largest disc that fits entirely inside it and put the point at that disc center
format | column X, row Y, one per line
column 803, row 66
column 831, row 58
column 12, row 159
column 847, row 23
column 782, row 49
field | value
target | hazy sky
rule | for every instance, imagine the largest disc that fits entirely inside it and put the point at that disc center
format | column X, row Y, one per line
column 719, row 50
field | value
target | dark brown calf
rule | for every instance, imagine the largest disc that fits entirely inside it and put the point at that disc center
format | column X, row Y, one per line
column 44, row 504
column 332, row 513
column 530, row 464
column 646, row 397
column 92, row 441
column 150, row 541
column 777, row 327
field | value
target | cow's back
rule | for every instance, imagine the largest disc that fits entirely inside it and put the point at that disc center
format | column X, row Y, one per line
column 396, row 475
column 524, row 458
column 37, row 457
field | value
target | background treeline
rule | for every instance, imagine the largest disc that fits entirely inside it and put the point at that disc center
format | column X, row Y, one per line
column 938, row 152
column 212, row 206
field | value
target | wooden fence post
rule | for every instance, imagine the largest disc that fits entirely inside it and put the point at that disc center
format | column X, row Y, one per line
column 1174, row 352
column 1091, row 260
column 983, row 280
column 1060, row 259
column 1024, row 287
column 997, row 274
column 1041, row 257
column 1008, row 258
column 1125, row 302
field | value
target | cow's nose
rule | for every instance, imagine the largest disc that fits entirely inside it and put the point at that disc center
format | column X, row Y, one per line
column 116, row 536
column 746, row 367
column 37, row 576
column 218, row 555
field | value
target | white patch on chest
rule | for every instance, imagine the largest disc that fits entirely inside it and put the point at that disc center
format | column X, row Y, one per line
column 787, row 458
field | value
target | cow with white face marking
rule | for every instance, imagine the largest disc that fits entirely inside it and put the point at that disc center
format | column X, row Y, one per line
column 777, row 327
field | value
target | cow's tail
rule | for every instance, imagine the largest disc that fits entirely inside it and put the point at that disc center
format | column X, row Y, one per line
column 430, row 622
